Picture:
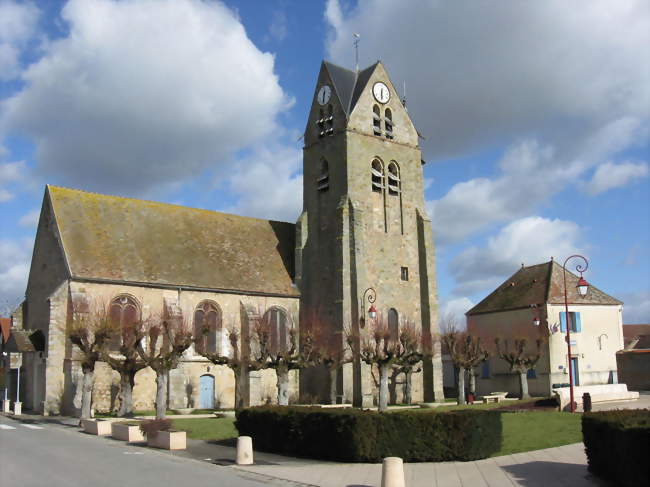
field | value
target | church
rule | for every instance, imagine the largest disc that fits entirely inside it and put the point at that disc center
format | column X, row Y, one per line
column 363, row 238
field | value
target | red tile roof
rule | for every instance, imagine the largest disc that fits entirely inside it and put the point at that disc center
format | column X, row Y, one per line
column 5, row 329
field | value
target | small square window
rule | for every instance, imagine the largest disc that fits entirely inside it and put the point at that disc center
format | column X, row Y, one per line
column 405, row 273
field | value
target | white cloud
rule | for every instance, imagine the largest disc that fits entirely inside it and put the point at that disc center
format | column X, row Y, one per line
column 636, row 307
column 18, row 23
column 610, row 175
column 268, row 183
column 144, row 93
column 10, row 172
column 30, row 219
column 15, row 257
column 530, row 241
column 278, row 29
column 453, row 311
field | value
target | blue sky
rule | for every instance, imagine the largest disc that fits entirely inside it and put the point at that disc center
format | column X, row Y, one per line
column 535, row 117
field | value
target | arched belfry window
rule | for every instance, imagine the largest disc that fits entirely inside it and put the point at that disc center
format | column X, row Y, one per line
column 329, row 121
column 320, row 123
column 388, row 123
column 323, row 180
column 393, row 324
column 377, row 176
column 277, row 320
column 207, row 326
column 394, row 182
column 124, row 310
column 376, row 120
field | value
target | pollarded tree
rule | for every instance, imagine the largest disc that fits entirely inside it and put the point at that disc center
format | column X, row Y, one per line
column 161, row 344
column 90, row 331
column 415, row 348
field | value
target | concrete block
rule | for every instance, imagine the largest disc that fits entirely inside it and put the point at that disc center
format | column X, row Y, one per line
column 96, row 427
column 244, row 450
column 168, row 440
column 126, row 432
column 392, row 472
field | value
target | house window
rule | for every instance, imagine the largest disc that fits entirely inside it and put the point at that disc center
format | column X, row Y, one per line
column 124, row 310
column 323, row 180
column 207, row 327
column 531, row 374
column 377, row 176
column 388, row 123
column 279, row 336
column 393, row 325
column 405, row 273
column 394, row 183
column 376, row 120
column 485, row 370
column 574, row 320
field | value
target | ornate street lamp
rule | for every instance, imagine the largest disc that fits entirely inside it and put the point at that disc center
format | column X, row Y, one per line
column 370, row 295
column 582, row 287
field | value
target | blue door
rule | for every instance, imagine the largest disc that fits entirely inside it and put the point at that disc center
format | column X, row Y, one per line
column 206, row 399
column 574, row 371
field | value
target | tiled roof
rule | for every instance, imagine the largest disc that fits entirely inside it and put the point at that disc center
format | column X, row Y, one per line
column 19, row 342
column 124, row 239
column 539, row 284
column 639, row 335
column 5, row 329
column 348, row 84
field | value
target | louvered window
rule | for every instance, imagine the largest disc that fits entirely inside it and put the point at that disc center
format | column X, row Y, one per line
column 376, row 120
column 394, row 183
column 320, row 123
column 377, row 176
column 388, row 123
column 323, row 180
column 329, row 121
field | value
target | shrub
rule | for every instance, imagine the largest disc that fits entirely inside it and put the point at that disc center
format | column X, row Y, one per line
column 366, row 436
column 150, row 428
column 617, row 444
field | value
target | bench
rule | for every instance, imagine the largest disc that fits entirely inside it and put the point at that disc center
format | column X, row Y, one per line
column 494, row 397
column 598, row 393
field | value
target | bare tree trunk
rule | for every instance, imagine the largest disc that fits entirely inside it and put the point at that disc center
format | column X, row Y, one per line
column 283, row 385
column 240, row 385
column 161, row 394
column 408, row 387
column 523, row 384
column 472, row 382
column 87, row 392
column 127, row 380
column 461, row 385
column 383, row 387
column 333, row 377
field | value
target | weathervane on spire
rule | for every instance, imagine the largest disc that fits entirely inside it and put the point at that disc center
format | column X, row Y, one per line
column 356, row 49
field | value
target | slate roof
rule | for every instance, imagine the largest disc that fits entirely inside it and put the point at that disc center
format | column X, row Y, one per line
column 539, row 284
column 348, row 84
column 123, row 239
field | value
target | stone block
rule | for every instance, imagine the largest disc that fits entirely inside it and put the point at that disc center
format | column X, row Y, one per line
column 126, row 432
column 168, row 440
column 96, row 427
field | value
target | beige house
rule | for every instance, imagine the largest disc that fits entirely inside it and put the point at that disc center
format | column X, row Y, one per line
column 363, row 228
column 536, row 294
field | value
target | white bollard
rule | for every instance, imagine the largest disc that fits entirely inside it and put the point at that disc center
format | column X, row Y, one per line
column 244, row 450
column 6, row 406
column 392, row 472
column 18, row 408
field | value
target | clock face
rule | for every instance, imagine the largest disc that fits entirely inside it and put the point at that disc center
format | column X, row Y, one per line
column 324, row 94
column 381, row 92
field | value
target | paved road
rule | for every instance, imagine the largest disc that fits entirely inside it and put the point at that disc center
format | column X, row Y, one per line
column 56, row 455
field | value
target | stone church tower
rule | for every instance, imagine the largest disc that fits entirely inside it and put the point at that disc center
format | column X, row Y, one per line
column 364, row 224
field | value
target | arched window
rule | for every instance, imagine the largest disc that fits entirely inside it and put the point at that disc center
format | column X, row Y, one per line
column 207, row 326
column 323, row 181
column 329, row 121
column 124, row 310
column 376, row 120
column 394, row 182
column 393, row 324
column 277, row 320
column 377, row 175
column 388, row 123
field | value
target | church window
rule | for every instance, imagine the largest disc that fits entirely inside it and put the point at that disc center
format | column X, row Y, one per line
column 123, row 311
column 394, row 183
column 405, row 273
column 320, row 123
column 323, row 181
column 329, row 121
column 376, row 120
column 207, row 327
column 393, row 324
column 388, row 123
column 276, row 318
column 377, row 176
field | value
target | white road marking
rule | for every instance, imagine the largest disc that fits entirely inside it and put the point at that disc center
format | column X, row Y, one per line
column 133, row 453
column 6, row 427
column 33, row 427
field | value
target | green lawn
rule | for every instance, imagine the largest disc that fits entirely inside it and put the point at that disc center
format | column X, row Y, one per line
column 535, row 430
column 207, row 428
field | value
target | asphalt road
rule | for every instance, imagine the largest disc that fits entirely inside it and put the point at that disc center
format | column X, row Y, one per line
column 46, row 454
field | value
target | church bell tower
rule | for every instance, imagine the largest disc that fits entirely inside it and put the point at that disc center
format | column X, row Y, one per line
column 364, row 227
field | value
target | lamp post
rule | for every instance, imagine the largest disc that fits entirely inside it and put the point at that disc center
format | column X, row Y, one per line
column 582, row 287
column 370, row 295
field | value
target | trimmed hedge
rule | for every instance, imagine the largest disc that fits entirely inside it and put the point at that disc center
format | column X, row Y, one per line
column 617, row 444
column 351, row 435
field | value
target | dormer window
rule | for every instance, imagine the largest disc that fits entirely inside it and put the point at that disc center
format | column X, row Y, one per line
column 377, row 176
column 323, row 180
column 376, row 120
column 394, row 182
column 388, row 123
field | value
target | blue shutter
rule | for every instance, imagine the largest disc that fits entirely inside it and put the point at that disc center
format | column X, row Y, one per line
column 578, row 324
column 562, row 321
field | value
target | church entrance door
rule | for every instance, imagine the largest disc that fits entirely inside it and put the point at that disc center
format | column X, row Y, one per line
column 206, row 399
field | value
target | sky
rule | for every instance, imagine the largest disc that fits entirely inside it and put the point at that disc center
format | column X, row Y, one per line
column 534, row 116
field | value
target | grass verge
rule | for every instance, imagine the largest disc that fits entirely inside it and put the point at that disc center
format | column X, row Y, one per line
column 207, row 428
